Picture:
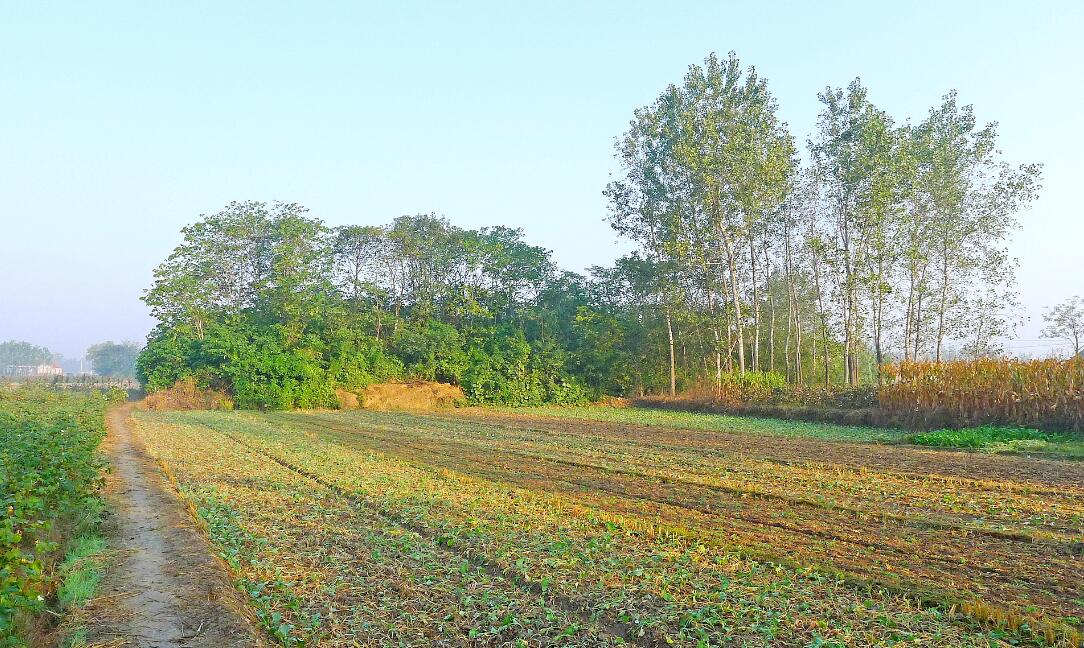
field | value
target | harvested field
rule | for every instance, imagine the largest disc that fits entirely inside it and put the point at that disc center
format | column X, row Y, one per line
column 484, row 528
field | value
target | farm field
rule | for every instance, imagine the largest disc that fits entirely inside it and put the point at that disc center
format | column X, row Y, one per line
column 49, row 506
column 493, row 528
column 708, row 422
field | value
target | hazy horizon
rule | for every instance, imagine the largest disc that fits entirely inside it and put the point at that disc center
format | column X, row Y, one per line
column 123, row 123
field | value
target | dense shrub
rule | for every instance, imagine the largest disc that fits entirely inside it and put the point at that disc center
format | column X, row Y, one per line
column 503, row 368
column 255, row 367
column 1046, row 394
column 49, row 472
column 430, row 350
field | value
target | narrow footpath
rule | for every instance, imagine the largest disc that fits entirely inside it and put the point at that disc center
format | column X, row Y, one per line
column 163, row 587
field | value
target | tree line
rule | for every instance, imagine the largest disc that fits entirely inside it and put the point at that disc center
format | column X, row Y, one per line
column 887, row 242
column 112, row 359
column 280, row 310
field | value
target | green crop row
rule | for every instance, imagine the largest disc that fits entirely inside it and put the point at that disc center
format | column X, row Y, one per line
column 50, row 472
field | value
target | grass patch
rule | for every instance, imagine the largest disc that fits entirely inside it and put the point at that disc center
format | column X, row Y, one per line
column 716, row 422
column 992, row 438
column 81, row 571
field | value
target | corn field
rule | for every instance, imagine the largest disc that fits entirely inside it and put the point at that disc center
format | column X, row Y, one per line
column 1047, row 394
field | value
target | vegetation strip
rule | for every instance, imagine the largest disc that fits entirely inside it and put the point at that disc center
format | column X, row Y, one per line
column 50, row 474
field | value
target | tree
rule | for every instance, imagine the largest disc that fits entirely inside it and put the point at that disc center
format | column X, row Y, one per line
column 891, row 243
column 966, row 199
column 1066, row 321
column 115, row 360
column 705, row 167
column 15, row 353
column 864, row 166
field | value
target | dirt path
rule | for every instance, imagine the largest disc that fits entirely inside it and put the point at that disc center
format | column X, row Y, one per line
column 164, row 587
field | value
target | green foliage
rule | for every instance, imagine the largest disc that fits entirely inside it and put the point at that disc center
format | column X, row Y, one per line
column 14, row 352
column 430, row 350
column 985, row 436
column 81, row 571
column 166, row 360
column 116, row 360
column 357, row 363
column 503, row 368
column 49, row 470
column 272, row 307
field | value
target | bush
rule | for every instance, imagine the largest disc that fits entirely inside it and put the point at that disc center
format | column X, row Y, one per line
column 431, row 351
column 504, row 369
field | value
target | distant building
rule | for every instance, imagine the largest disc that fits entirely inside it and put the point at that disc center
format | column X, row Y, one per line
column 33, row 371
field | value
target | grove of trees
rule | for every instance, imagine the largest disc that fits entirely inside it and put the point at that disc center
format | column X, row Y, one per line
column 280, row 310
column 16, row 353
column 114, row 359
column 888, row 243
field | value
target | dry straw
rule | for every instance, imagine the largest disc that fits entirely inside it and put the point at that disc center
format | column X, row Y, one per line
column 1047, row 394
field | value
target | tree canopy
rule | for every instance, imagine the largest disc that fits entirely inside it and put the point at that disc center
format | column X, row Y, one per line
column 889, row 244
column 114, row 359
column 16, row 352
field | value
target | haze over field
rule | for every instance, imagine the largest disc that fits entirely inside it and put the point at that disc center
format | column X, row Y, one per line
column 122, row 123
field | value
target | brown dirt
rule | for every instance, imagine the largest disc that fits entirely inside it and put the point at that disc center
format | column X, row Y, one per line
column 762, row 493
column 913, row 460
column 186, row 395
column 412, row 396
column 163, row 587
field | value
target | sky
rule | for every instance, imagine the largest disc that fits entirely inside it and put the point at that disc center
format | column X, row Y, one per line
column 122, row 122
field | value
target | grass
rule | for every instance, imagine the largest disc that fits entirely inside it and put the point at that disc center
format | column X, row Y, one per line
column 715, row 422
column 81, row 571
column 381, row 528
column 997, row 439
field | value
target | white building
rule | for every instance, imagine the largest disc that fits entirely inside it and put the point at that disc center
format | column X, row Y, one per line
column 33, row 371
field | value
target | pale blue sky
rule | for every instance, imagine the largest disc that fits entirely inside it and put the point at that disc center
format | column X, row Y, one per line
column 122, row 122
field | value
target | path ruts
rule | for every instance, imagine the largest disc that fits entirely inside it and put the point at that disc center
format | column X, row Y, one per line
column 163, row 588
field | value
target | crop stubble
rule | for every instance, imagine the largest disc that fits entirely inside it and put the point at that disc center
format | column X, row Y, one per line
column 597, row 532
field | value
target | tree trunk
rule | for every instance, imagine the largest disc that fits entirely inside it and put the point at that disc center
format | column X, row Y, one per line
column 944, row 301
column 673, row 364
column 756, row 304
column 771, row 332
column 735, row 300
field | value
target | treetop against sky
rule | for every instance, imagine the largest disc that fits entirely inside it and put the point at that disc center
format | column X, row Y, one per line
column 125, row 122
